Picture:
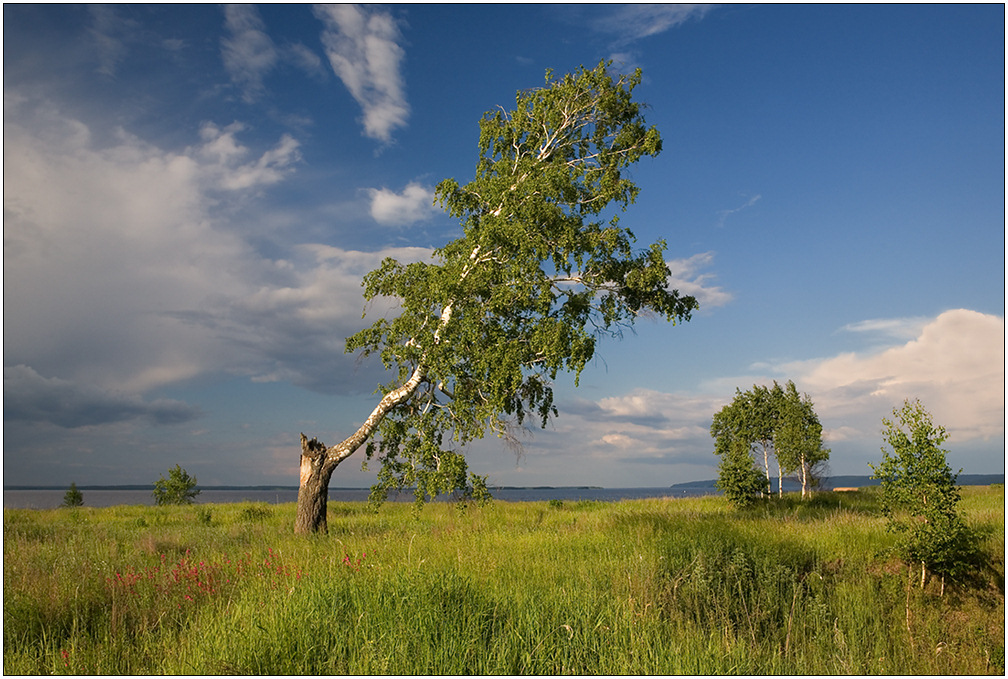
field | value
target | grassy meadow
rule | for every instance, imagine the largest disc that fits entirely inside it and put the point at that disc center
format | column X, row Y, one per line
column 660, row 586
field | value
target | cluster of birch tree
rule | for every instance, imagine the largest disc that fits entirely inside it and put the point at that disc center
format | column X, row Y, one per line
column 763, row 423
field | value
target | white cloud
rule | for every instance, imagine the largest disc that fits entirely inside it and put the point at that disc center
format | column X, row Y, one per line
column 955, row 366
column 363, row 50
column 641, row 426
column 724, row 214
column 892, row 328
column 304, row 58
column 225, row 154
column 414, row 204
column 249, row 54
column 630, row 23
column 687, row 279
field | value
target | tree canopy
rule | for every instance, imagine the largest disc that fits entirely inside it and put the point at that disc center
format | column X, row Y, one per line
column 540, row 272
column 769, row 421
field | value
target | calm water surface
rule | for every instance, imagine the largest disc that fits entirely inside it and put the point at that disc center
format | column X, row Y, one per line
column 47, row 499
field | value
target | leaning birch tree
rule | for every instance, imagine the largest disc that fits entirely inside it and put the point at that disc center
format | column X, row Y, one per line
column 537, row 276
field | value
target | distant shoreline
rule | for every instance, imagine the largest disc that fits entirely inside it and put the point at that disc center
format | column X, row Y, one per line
column 840, row 481
column 848, row 481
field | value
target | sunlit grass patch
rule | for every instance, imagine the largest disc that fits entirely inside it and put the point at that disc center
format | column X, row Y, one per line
column 658, row 586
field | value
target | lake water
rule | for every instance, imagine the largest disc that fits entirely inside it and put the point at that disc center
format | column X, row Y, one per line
column 47, row 499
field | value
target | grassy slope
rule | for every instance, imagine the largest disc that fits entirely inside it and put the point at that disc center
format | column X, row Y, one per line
column 647, row 586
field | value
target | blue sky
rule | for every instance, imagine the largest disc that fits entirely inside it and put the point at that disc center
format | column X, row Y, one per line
column 193, row 193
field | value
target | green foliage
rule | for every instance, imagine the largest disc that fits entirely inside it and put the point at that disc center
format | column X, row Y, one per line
column 73, row 497
column 920, row 495
column 538, row 274
column 765, row 420
column 797, row 435
column 738, row 478
column 178, row 489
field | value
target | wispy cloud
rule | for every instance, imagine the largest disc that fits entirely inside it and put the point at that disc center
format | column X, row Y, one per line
column 725, row 214
column 111, row 34
column 248, row 52
column 414, row 204
column 687, row 279
column 250, row 55
column 362, row 45
column 303, row 57
column 891, row 328
column 630, row 23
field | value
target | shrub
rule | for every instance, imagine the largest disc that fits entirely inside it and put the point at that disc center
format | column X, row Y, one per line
column 256, row 512
column 178, row 489
column 73, row 497
column 738, row 477
column 919, row 494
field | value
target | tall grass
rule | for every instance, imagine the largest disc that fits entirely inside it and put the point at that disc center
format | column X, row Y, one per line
column 646, row 586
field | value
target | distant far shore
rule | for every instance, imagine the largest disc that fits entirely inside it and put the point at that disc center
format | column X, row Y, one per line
column 847, row 482
column 828, row 483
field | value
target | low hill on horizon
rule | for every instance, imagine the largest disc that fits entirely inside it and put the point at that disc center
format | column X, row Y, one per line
column 847, row 481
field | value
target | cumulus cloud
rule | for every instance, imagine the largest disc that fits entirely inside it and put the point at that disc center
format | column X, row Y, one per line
column 414, row 204
column 687, row 279
column 226, row 156
column 30, row 397
column 125, row 271
column 955, row 366
column 362, row 46
column 294, row 331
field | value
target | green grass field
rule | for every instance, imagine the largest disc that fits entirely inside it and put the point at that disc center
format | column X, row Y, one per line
column 635, row 587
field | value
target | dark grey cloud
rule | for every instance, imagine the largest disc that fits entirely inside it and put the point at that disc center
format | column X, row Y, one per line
column 30, row 397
